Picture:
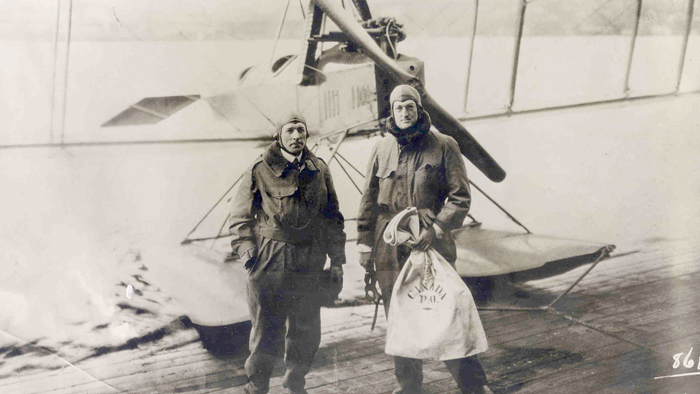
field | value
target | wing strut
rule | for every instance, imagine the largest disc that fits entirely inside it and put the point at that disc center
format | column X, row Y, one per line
column 334, row 153
column 189, row 240
column 500, row 207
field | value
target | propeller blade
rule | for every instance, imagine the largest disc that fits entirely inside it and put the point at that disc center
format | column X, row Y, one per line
column 442, row 119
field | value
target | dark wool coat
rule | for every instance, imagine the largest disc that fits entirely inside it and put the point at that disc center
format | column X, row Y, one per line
column 283, row 203
column 426, row 172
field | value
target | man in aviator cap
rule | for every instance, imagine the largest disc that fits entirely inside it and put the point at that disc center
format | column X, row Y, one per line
column 285, row 221
column 416, row 167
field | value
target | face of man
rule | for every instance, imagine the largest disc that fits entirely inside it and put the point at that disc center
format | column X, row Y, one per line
column 405, row 113
column 293, row 137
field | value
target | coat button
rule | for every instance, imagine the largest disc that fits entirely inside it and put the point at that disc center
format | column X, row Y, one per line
column 400, row 177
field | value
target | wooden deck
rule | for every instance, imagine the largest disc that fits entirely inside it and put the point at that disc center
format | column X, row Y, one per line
column 614, row 333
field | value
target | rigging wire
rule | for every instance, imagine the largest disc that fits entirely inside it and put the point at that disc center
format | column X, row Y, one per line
column 597, row 11
column 65, row 81
column 187, row 238
column 260, row 111
column 119, row 23
column 500, row 207
column 633, row 44
column 55, row 64
column 221, row 229
column 303, row 13
column 533, row 62
column 279, row 31
column 458, row 18
column 348, row 175
column 475, row 22
column 549, row 308
column 350, row 164
column 430, row 52
column 516, row 57
column 689, row 26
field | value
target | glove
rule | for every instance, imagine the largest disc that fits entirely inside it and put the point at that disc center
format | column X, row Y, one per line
column 249, row 257
column 425, row 239
column 337, row 274
column 427, row 217
column 337, row 279
column 366, row 261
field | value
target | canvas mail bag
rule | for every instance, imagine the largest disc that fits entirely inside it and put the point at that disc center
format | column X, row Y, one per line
column 432, row 315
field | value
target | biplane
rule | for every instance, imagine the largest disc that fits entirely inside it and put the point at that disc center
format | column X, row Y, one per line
column 343, row 92
column 347, row 63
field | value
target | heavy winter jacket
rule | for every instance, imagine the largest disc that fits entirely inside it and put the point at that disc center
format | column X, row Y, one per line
column 279, row 201
column 425, row 171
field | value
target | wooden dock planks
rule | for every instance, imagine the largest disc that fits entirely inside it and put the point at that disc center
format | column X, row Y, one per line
column 638, row 311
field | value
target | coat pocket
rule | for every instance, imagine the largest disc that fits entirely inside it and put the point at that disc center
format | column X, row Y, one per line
column 261, row 244
column 385, row 172
column 387, row 179
column 429, row 181
column 428, row 169
column 282, row 196
column 282, row 191
column 282, row 201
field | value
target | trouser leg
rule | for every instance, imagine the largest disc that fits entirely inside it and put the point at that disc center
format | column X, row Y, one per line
column 268, row 315
column 302, row 341
column 304, row 316
column 409, row 373
column 468, row 373
column 266, row 338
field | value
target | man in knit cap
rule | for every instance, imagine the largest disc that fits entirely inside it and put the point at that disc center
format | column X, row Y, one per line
column 285, row 221
column 416, row 167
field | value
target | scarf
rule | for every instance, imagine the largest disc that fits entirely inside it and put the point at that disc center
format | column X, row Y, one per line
column 414, row 133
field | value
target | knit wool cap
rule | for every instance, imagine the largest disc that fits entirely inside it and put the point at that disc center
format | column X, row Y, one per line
column 403, row 93
column 291, row 117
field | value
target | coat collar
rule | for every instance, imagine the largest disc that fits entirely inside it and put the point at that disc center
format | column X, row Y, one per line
column 390, row 150
column 418, row 132
column 278, row 163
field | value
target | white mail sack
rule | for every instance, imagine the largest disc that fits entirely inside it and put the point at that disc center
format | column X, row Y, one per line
column 432, row 315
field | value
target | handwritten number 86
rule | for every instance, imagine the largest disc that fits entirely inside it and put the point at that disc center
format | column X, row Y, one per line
column 687, row 362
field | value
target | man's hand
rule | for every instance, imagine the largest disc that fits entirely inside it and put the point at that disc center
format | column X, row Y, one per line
column 426, row 217
column 249, row 257
column 366, row 261
column 337, row 279
column 337, row 274
column 425, row 239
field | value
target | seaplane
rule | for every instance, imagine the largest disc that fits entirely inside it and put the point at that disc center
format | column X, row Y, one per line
column 343, row 93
